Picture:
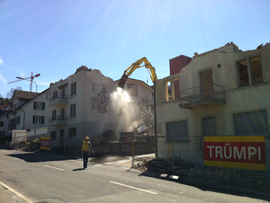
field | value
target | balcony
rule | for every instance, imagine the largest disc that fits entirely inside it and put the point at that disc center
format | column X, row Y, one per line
column 58, row 121
column 202, row 96
column 58, row 100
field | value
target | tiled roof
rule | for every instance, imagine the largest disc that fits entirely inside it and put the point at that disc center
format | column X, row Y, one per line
column 25, row 94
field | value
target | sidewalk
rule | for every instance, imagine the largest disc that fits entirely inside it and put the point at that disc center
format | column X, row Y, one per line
column 7, row 195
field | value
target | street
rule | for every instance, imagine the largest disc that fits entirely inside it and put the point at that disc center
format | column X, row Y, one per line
column 105, row 180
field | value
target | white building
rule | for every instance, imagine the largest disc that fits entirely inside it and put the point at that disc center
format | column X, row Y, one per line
column 81, row 105
column 29, row 112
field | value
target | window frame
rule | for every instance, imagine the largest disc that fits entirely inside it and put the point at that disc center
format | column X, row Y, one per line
column 251, row 81
column 73, row 89
column 38, row 120
column 73, row 110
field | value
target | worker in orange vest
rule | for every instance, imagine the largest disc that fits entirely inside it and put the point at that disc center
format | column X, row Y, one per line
column 86, row 151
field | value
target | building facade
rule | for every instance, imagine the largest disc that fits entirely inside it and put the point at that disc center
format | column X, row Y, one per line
column 223, row 92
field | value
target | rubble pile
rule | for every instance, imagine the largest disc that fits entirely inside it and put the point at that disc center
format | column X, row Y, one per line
column 243, row 178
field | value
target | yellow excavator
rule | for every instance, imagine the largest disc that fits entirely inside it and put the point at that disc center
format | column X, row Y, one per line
column 133, row 67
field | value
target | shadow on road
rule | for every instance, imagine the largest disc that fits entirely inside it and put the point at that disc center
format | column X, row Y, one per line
column 79, row 169
column 40, row 156
column 206, row 185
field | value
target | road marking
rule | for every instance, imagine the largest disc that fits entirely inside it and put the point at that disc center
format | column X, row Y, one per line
column 60, row 169
column 133, row 187
column 16, row 193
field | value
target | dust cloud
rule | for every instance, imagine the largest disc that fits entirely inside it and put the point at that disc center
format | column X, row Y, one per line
column 126, row 111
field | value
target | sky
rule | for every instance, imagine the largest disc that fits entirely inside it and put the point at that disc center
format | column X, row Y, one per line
column 55, row 37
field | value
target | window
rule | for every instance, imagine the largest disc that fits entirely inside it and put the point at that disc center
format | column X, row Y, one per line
column 177, row 131
column 54, row 95
column 39, row 105
column 1, row 123
column 72, row 132
column 251, row 123
column 72, row 110
column 53, row 135
column 249, row 71
column 38, row 119
column 12, row 124
column 132, row 89
column 2, row 133
column 73, row 89
column 47, row 96
column 209, row 126
column 54, row 115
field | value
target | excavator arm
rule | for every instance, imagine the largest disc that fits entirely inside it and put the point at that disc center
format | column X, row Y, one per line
column 135, row 66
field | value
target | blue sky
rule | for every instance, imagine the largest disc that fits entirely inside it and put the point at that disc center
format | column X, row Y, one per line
column 55, row 37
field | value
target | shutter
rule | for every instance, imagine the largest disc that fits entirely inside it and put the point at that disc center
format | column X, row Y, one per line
column 75, row 88
column 42, row 120
column 209, row 126
column 251, row 123
column 34, row 105
column 43, row 105
column 34, row 119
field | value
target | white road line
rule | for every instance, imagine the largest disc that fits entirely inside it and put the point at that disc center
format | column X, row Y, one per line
column 60, row 169
column 16, row 193
column 133, row 187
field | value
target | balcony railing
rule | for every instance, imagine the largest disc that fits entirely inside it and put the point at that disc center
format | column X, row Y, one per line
column 58, row 100
column 58, row 121
column 201, row 96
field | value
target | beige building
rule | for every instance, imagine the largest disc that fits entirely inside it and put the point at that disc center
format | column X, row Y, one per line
column 223, row 92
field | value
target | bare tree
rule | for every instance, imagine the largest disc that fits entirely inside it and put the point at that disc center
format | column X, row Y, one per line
column 10, row 93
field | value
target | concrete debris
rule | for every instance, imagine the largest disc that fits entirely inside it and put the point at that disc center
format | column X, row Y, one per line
column 257, row 180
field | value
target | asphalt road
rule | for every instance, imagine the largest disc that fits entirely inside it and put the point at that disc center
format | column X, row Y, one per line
column 45, row 180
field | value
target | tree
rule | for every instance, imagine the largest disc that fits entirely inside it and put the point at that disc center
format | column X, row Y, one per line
column 10, row 93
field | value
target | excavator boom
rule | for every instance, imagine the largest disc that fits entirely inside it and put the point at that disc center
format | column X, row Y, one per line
column 135, row 66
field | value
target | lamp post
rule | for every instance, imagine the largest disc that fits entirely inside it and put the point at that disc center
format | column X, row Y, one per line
column 34, row 100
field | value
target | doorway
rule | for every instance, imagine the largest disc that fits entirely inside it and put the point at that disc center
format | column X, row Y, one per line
column 207, row 93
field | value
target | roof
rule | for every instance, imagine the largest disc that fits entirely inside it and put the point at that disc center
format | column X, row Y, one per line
column 25, row 94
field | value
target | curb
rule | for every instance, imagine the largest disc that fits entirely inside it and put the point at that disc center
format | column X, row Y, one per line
column 206, row 184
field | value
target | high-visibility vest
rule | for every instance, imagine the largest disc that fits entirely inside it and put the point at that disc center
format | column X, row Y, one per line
column 86, row 145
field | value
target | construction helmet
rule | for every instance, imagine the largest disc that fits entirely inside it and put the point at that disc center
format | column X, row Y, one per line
column 86, row 138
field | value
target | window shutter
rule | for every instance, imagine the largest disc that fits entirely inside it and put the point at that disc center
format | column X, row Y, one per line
column 43, row 106
column 34, row 105
column 42, row 120
column 34, row 119
column 75, row 88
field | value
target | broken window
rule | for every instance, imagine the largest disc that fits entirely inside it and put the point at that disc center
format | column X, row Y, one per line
column 176, row 89
column 168, row 91
column 256, row 69
column 249, row 71
column 132, row 89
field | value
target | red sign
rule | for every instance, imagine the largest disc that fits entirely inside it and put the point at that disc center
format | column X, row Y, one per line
column 45, row 143
column 247, row 152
